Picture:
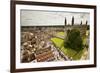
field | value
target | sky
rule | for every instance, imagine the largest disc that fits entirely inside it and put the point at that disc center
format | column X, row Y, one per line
column 38, row 18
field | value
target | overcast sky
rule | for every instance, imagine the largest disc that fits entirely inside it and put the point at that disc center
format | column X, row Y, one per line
column 32, row 18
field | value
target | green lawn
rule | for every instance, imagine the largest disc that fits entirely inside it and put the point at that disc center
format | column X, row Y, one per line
column 67, row 51
column 78, row 55
column 60, row 33
column 57, row 41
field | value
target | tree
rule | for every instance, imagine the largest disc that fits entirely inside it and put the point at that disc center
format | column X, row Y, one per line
column 73, row 40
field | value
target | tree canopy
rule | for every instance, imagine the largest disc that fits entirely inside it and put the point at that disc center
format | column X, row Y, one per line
column 73, row 40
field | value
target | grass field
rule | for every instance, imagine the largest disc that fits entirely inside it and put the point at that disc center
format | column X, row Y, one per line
column 60, row 33
column 67, row 51
column 58, row 42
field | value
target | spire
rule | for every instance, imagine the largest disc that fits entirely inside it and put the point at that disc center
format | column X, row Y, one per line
column 72, row 20
column 65, row 21
column 81, row 23
column 86, row 22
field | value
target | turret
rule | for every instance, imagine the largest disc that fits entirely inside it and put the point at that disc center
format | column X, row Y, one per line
column 72, row 20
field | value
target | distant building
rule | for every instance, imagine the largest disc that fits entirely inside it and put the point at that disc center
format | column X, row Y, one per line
column 82, row 28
